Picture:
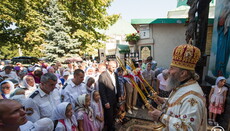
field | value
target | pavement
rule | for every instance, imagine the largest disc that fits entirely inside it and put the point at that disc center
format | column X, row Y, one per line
column 139, row 121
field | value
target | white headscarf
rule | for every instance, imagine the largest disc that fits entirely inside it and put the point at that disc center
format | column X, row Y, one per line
column 81, row 100
column 87, row 71
column 31, row 89
column 219, row 78
column 59, row 111
column 25, row 84
column 11, row 87
column 44, row 124
column 80, row 106
column 59, row 114
column 94, row 105
column 92, row 99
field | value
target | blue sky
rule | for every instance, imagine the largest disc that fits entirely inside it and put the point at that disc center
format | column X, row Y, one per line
column 135, row 9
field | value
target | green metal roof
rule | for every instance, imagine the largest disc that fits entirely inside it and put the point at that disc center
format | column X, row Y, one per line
column 123, row 48
column 181, row 2
column 164, row 21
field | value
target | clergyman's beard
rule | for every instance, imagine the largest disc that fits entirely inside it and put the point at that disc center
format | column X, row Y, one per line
column 172, row 82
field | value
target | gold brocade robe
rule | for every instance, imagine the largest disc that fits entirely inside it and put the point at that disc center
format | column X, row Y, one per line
column 185, row 109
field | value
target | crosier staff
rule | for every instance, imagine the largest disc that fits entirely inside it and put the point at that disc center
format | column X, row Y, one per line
column 157, row 125
column 142, row 80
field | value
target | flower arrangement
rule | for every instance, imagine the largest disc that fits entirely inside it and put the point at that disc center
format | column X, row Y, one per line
column 132, row 37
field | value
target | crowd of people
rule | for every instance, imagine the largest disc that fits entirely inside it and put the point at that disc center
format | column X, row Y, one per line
column 83, row 97
column 94, row 96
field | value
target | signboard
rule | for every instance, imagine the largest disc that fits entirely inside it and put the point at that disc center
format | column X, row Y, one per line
column 144, row 31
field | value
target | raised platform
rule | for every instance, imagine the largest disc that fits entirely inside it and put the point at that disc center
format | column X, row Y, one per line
column 139, row 121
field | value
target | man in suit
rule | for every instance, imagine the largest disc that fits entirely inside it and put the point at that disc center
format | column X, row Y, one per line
column 110, row 94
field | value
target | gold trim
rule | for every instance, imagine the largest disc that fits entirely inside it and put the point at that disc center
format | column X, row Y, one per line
column 184, row 126
column 161, row 117
column 190, row 82
column 167, row 124
column 177, row 102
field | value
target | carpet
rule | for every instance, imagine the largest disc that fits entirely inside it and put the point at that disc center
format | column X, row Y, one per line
column 136, row 125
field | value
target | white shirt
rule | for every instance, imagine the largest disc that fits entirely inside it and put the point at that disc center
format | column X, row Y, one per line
column 112, row 76
column 12, row 75
column 29, row 91
column 72, row 91
column 162, row 81
column 46, row 102
column 28, row 126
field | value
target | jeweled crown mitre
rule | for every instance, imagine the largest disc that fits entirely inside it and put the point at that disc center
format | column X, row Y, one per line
column 185, row 56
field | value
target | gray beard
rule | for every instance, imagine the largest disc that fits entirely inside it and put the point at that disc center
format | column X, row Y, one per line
column 172, row 82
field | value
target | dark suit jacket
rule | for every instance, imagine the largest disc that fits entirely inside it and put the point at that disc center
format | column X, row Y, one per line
column 106, row 89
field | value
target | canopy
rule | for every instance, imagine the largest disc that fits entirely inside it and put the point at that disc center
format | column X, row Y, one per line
column 123, row 48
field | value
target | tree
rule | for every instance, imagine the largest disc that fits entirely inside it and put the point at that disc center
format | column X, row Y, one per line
column 85, row 17
column 58, row 38
column 9, row 51
column 26, row 18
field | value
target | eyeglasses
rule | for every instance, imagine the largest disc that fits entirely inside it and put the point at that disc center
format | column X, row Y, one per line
column 5, row 88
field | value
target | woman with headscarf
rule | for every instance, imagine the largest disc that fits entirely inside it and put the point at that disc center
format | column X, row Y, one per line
column 44, row 124
column 6, row 87
column 89, row 84
column 98, row 110
column 84, row 113
column 29, row 85
column 63, row 116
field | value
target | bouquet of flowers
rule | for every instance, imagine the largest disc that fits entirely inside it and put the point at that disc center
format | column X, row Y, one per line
column 132, row 37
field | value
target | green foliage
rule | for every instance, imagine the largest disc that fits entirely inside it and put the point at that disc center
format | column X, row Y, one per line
column 84, row 17
column 132, row 37
column 9, row 51
column 58, row 40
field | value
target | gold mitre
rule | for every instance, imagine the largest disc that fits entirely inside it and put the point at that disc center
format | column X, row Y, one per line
column 185, row 56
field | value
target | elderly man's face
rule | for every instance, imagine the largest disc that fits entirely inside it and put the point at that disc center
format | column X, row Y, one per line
column 101, row 68
column 174, row 78
column 5, row 88
column 13, row 114
column 112, row 66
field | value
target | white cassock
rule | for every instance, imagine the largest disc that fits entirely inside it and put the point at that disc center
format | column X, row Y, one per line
column 185, row 109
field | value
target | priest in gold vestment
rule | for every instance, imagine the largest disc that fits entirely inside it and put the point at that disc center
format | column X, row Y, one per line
column 185, row 108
